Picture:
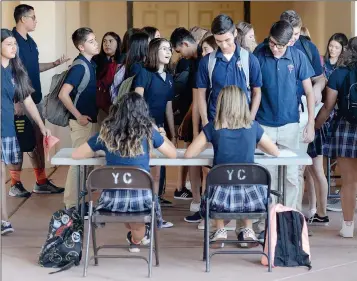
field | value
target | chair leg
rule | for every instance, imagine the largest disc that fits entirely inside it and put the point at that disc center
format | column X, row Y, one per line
column 156, row 244
column 94, row 240
column 207, row 245
column 88, row 238
column 152, row 226
column 268, row 238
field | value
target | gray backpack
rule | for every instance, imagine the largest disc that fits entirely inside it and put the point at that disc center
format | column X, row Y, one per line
column 54, row 110
column 244, row 59
column 124, row 88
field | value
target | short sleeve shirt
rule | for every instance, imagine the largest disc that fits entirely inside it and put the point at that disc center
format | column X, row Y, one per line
column 157, row 92
column 233, row 146
column 86, row 104
column 29, row 56
column 226, row 73
column 114, row 159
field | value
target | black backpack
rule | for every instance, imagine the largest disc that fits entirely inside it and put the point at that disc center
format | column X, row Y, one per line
column 347, row 98
column 288, row 250
column 181, row 87
column 63, row 246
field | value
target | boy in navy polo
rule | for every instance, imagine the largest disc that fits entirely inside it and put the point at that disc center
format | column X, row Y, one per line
column 184, row 43
column 227, row 71
column 282, row 67
column 25, row 19
column 84, row 114
column 318, row 81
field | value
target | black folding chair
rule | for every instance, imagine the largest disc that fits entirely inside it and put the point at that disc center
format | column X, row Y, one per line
column 115, row 178
column 244, row 174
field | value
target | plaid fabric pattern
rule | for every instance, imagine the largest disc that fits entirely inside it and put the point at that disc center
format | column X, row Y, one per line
column 10, row 151
column 129, row 201
column 315, row 148
column 341, row 140
column 236, row 199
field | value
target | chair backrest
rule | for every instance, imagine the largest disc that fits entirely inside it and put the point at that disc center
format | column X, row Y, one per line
column 238, row 174
column 119, row 177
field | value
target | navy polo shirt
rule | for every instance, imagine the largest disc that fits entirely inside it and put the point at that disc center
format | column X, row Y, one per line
column 86, row 104
column 29, row 56
column 280, row 102
column 157, row 92
column 233, row 145
column 335, row 82
column 315, row 63
column 226, row 73
column 7, row 103
column 114, row 159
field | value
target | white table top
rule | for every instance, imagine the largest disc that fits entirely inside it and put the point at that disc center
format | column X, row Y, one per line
column 63, row 157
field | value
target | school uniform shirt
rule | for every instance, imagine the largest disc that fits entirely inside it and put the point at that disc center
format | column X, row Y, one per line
column 226, row 73
column 29, row 56
column 157, row 92
column 114, row 159
column 280, row 102
column 135, row 69
column 7, row 103
column 315, row 62
column 86, row 104
column 328, row 68
column 233, row 146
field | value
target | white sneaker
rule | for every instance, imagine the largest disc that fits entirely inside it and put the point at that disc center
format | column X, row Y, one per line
column 219, row 234
column 167, row 224
column 246, row 234
column 195, row 207
column 347, row 229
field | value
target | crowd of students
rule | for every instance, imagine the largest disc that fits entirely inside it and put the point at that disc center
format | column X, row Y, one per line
column 238, row 95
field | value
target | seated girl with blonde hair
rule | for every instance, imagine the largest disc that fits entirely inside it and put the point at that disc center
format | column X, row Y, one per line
column 234, row 136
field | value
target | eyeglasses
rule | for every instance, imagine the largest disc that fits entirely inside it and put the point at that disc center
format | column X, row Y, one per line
column 272, row 44
column 166, row 49
column 32, row 17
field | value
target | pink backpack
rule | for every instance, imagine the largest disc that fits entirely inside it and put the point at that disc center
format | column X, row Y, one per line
column 289, row 239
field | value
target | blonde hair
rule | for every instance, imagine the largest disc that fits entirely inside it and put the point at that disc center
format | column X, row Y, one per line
column 232, row 109
column 304, row 31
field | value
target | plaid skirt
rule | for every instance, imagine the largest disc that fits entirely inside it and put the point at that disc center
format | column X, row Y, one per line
column 10, row 151
column 129, row 201
column 341, row 140
column 236, row 199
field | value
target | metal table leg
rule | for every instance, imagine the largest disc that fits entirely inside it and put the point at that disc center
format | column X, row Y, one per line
column 280, row 172
column 78, row 168
column 83, row 189
column 285, row 170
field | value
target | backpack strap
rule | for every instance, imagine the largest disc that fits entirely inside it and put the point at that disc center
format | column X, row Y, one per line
column 211, row 63
column 85, row 79
column 306, row 45
column 244, row 57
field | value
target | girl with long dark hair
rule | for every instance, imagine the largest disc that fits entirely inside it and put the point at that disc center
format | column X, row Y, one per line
column 341, row 141
column 127, row 137
column 107, row 65
column 15, row 87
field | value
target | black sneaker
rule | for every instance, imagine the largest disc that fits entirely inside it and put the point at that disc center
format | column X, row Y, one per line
column 196, row 217
column 6, row 228
column 18, row 190
column 47, row 188
column 183, row 194
column 165, row 203
column 316, row 220
column 261, row 237
column 135, row 248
